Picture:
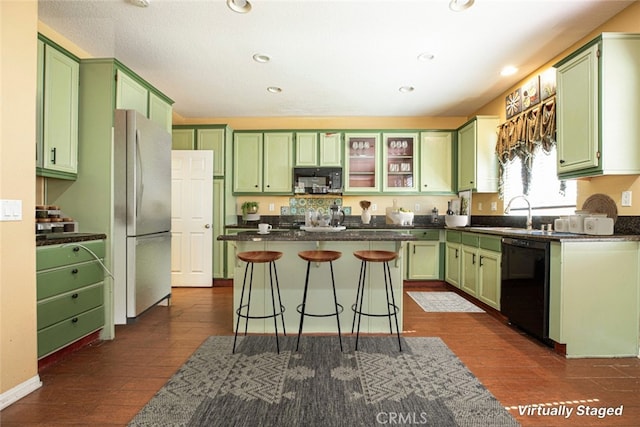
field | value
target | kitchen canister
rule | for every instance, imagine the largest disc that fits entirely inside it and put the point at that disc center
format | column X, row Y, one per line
column 561, row 224
column 576, row 222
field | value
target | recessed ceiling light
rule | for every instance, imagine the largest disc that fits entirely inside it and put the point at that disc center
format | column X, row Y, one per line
column 274, row 89
column 261, row 57
column 426, row 56
column 406, row 89
column 509, row 70
column 240, row 6
column 460, row 5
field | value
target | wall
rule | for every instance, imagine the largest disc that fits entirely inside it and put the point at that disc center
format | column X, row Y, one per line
column 626, row 21
column 18, row 342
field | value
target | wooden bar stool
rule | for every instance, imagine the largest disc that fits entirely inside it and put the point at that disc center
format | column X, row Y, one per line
column 260, row 257
column 319, row 256
column 392, row 309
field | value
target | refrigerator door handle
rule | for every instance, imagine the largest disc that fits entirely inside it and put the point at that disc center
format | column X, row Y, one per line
column 139, row 174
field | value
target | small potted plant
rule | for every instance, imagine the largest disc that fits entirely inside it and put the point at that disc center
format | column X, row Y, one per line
column 249, row 208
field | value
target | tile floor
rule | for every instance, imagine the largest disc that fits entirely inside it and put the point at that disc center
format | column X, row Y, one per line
column 105, row 384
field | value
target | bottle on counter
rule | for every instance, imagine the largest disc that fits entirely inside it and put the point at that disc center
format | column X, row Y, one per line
column 434, row 214
column 449, row 210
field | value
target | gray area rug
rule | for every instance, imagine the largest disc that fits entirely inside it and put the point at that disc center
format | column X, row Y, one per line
column 425, row 384
column 444, row 302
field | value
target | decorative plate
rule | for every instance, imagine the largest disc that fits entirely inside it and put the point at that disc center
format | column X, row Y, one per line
column 602, row 204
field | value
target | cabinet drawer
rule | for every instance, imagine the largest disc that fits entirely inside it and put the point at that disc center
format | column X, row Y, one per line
column 69, row 330
column 427, row 234
column 61, row 280
column 453, row 236
column 59, row 255
column 491, row 243
column 469, row 239
column 67, row 305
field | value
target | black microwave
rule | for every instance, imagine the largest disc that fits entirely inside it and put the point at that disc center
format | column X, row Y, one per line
column 319, row 180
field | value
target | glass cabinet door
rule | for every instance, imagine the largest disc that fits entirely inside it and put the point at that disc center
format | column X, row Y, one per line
column 399, row 160
column 361, row 171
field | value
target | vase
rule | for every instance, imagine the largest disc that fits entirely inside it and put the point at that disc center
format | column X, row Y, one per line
column 366, row 216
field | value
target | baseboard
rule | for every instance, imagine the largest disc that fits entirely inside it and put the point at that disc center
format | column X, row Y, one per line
column 18, row 392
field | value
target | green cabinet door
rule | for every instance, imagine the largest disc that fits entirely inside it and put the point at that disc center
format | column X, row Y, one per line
column 489, row 277
column 214, row 139
column 278, row 162
column 306, row 149
column 39, row 105
column 130, row 94
column 436, row 162
column 183, row 139
column 330, row 149
column 160, row 111
column 60, row 111
column 218, row 228
column 247, row 163
column 423, row 260
column 467, row 157
column 453, row 257
column 469, row 270
column 578, row 112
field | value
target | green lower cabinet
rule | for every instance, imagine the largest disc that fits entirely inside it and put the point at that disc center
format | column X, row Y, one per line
column 423, row 256
column 70, row 294
column 489, row 277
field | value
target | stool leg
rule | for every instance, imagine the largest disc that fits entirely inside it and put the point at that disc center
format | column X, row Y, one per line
column 335, row 301
column 304, row 303
column 246, row 323
column 240, row 307
column 272, row 266
column 364, row 278
column 281, row 307
column 354, row 307
column 393, row 299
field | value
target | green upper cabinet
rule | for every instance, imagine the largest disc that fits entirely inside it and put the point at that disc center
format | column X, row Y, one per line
column 598, row 130
column 247, row 162
column 399, row 161
column 477, row 161
column 318, row 149
column 131, row 95
column 183, row 139
column 160, row 111
column 361, row 172
column 278, row 162
column 57, row 112
column 214, row 140
column 262, row 162
column 436, row 162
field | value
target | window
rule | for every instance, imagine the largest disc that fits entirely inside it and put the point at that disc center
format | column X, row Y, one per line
column 547, row 194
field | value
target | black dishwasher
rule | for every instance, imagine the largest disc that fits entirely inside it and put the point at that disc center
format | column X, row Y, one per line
column 524, row 297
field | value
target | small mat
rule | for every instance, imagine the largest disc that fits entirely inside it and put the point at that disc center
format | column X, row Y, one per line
column 444, row 302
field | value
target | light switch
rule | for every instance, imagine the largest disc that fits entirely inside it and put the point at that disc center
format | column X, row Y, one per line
column 626, row 198
column 10, row 210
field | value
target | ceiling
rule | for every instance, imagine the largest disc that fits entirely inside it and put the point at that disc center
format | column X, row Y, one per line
column 329, row 57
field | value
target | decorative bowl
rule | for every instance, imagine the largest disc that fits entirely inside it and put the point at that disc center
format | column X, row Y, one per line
column 456, row 220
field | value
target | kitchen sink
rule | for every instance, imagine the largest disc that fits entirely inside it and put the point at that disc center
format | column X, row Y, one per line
column 521, row 231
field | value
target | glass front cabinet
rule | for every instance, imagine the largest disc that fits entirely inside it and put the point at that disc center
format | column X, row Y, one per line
column 399, row 162
column 361, row 169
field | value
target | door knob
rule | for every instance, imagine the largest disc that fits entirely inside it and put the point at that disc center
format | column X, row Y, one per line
column 207, row 226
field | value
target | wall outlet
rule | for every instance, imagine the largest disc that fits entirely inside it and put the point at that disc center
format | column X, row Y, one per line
column 479, row 206
column 626, row 198
column 494, row 206
column 272, row 207
column 416, row 208
column 374, row 207
column 10, row 210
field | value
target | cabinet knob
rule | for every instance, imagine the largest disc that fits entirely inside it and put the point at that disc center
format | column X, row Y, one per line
column 256, row 186
column 76, row 248
column 561, row 161
column 74, row 271
column 207, row 226
column 74, row 296
column 53, row 155
column 481, row 260
column 74, row 320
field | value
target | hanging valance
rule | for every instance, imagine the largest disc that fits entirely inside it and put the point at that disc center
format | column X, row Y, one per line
column 521, row 135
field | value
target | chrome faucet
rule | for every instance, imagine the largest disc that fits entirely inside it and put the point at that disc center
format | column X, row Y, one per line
column 508, row 208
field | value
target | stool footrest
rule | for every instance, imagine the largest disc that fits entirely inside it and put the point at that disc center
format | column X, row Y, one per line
column 340, row 310
column 266, row 316
column 395, row 311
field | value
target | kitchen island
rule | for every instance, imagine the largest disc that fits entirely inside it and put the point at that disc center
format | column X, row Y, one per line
column 292, row 270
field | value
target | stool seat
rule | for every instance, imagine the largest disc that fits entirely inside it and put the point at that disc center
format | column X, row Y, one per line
column 375, row 256
column 319, row 256
column 259, row 256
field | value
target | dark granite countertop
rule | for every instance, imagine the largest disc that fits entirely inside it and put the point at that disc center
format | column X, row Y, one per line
column 61, row 238
column 299, row 235
column 522, row 233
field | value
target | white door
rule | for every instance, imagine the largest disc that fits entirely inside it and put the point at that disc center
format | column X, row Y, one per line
column 191, row 217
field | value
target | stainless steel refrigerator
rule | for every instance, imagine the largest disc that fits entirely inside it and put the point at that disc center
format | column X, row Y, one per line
column 142, row 215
